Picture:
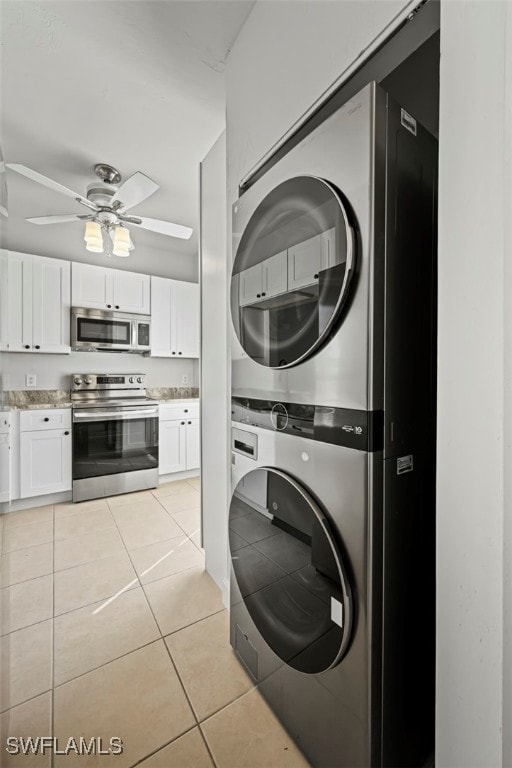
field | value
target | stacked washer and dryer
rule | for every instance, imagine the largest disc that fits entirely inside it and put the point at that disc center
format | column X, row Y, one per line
column 332, row 517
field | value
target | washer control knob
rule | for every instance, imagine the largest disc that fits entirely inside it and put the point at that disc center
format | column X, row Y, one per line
column 78, row 380
column 131, row 379
column 88, row 381
column 140, row 379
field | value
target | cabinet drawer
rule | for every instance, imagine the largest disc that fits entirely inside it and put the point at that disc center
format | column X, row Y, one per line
column 169, row 411
column 4, row 422
column 51, row 418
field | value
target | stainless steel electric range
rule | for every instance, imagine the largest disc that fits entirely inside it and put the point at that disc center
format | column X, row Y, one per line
column 115, row 435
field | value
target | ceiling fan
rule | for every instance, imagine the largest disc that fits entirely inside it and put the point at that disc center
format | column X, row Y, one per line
column 107, row 200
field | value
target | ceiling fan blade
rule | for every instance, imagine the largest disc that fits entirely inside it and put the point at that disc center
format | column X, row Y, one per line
column 134, row 190
column 50, row 183
column 163, row 227
column 60, row 219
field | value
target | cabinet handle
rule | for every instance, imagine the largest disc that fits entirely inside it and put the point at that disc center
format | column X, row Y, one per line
column 117, row 306
column 185, row 410
column 182, row 423
column 27, row 346
column 46, row 418
column 189, row 422
column 179, row 353
column 66, row 433
column 258, row 295
column 37, row 346
column 173, row 353
column 263, row 294
column 109, row 306
column 315, row 276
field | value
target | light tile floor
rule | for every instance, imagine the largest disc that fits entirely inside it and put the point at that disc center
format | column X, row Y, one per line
column 110, row 626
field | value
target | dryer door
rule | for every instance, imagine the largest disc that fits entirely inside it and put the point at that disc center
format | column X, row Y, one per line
column 292, row 272
column 289, row 570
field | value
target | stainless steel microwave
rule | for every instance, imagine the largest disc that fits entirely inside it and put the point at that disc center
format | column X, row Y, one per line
column 98, row 329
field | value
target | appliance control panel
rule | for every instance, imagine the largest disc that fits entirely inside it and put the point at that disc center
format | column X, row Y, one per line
column 106, row 381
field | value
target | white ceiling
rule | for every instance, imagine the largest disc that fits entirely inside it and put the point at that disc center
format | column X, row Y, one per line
column 137, row 84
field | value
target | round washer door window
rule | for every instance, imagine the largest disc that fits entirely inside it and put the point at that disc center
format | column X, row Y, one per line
column 289, row 571
column 292, row 272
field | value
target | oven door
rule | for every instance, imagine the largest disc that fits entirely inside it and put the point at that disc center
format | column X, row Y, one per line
column 97, row 330
column 109, row 441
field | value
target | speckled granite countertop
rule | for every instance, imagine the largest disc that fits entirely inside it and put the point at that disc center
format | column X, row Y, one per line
column 34, row 399
column 173, row 394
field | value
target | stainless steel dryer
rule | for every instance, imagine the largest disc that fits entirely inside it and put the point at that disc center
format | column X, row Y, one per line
column 332, row 609
column 332, row 519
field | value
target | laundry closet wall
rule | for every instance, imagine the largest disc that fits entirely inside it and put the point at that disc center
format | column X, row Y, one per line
column 285, row 57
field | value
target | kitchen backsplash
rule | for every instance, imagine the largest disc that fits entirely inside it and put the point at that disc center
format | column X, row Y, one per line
column 54, row 371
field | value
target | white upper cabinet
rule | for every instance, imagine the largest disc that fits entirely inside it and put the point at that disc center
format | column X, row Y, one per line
column 131, row 292
column 275, row 275
column 91, row 286
column 174, row 318
column 251, row 284
column 104, row 288
column 38, row 304
column 307, row 259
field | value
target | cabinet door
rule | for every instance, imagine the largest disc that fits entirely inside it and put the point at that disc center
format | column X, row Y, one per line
column 251, row 284
column 19, row 277
column 193, row 453
column 4, row 312
column 304, row 262
column 275, row 274
column 172, row 443
column 162, row 325
column 186, row 303
column 91, row 286
column 4, row 466
column 131, row 292
column 45, row 462
column 328, row 248
column 51, row 294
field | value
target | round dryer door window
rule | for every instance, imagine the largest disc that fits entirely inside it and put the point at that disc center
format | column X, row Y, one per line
column 292, row 272
column 289, row 571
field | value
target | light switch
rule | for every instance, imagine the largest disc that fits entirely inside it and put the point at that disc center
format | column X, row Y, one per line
column 30, row 379
column 184, row 379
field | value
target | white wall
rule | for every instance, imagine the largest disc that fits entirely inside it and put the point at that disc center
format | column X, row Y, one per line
column 470, row 386
column 53, row 371
column 214, row 374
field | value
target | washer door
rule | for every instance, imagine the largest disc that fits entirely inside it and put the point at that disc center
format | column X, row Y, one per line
column 292, row 272
column 289, row 571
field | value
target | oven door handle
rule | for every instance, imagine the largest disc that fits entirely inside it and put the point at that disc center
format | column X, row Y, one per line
column 124, row 415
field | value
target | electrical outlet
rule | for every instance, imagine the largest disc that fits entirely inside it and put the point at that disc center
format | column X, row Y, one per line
column 184, row 379
column 30, row 379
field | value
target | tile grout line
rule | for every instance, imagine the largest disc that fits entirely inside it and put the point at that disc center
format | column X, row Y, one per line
column 166, row 648
column 52, row 696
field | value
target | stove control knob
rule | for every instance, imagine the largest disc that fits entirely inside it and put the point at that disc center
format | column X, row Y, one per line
column 87, row 381
column 131, row 379
column 140, row 379
column 78, row 380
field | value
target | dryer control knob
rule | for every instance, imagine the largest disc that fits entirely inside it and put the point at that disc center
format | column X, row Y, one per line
column 78, row 380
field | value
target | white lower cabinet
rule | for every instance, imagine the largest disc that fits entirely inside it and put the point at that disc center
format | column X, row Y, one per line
column 172, row 447
column 179, row 437
column 4, row 457
column 44, row 452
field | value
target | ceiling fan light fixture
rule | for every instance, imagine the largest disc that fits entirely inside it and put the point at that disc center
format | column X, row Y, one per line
column 92, row 231
column 121, row 250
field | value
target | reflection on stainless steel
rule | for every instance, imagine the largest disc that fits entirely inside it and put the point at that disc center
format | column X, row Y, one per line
column 288, row 571
column 292, row 272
